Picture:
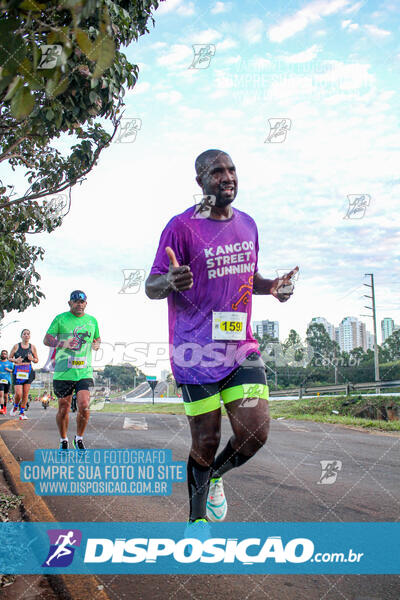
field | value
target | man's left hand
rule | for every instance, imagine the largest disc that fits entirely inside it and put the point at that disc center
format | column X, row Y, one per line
column 282, row 287
column 96, row 344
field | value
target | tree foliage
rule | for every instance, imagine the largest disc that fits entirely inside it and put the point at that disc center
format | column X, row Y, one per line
column 391, row 347
column 122, row 376
column 61, row 70
column 320, row 342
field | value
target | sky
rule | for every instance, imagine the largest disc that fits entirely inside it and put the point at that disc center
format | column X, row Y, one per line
column 327, row 72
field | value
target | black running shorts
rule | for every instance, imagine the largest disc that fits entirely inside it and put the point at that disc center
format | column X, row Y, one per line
column 63, row 388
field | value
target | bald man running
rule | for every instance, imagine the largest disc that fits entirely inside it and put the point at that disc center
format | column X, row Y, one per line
column 206, row 265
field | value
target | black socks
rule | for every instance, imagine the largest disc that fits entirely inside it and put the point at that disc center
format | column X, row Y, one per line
column 226, row 460
column 198, row 479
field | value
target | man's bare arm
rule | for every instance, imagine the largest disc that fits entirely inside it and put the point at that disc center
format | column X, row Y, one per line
column 261, row 286
column 179, row 279
column 52, row 342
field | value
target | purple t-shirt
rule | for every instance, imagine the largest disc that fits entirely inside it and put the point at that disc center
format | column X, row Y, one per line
column 210, row 324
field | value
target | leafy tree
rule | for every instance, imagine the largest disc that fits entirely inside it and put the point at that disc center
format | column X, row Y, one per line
column 357, row 356
column 122, row 376
column 269, row 348
column 391, row 346
column 321, row 344
column 369, row 355
column 295, row 352
column 45, row 93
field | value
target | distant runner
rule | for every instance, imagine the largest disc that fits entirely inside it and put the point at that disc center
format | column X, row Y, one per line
column 22, row 355
column 206, row 265
column 74, row 334
column 6, row 368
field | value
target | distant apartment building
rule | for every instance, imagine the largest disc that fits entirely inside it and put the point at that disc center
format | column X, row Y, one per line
column 370, row 341
column 262, row 328
column 337, row 335
column 329, row 328
column 387, row 327
column 352, row 334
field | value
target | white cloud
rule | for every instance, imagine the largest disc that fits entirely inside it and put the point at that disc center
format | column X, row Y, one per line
column 253, row 30
column 226, row 45
column 259, row 63
column 178, row 53
column 222, row 80
column 186, row 10
column 232, row 60
column 220, row 7
column 347, row 24
column 207, row 36
column 140, row 88
column 376, row 31
column 158, row 45
column 171, row 97
column 356, row 7
column 302, row 57
column 180, row 6
column 311, row 13
column 344, row 76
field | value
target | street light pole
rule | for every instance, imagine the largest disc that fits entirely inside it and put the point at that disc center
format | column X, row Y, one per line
column 373, row 308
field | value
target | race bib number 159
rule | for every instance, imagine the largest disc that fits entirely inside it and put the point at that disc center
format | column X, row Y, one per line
column 229, row 325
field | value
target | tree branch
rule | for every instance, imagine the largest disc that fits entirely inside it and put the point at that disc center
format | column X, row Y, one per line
column 67, row 184
column 4, row 155
column 24, row 160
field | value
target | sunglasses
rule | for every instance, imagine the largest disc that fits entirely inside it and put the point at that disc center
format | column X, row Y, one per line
column 75, row 297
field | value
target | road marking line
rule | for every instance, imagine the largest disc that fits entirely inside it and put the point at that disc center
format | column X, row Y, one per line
column 137, row 423
column 36, row 510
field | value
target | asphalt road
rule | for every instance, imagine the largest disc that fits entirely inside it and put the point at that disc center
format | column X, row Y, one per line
column 279, row 484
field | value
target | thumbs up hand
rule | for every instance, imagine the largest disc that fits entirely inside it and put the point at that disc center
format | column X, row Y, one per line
column 180, row 278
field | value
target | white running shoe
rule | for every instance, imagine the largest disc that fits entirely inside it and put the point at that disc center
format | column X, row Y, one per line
column 216, row 501
column 14, row 411
column 22, row 417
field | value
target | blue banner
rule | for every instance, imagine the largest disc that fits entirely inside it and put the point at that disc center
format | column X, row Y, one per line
column 125, row 472
column 208, row 548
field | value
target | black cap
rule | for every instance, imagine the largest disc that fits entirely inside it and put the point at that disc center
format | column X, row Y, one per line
column 77, row 295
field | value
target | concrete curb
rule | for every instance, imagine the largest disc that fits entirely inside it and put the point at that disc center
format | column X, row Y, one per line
column 73, row 587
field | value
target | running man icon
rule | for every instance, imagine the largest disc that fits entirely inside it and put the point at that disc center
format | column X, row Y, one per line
column 61, row 551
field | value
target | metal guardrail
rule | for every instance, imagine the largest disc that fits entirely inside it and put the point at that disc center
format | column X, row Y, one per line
column 343, row 387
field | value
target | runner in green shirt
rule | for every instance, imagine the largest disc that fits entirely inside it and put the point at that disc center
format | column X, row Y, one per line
column 73, row 335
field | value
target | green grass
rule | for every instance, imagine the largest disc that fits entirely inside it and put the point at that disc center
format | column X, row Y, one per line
column 318, row 410
column 157, row 407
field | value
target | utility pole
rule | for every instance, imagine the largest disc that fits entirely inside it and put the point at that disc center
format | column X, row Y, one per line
column 373, row 315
